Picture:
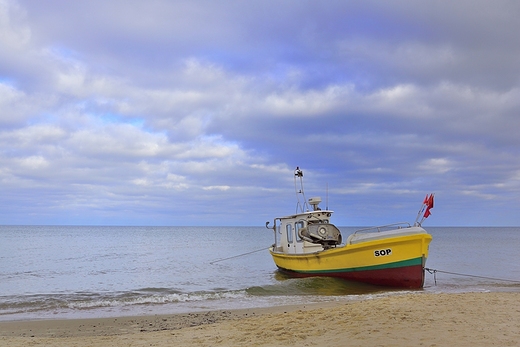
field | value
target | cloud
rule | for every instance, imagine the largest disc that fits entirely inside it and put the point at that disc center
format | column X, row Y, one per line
column 114, row 112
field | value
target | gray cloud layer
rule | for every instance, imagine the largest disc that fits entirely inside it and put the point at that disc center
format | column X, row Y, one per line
column 197, row 112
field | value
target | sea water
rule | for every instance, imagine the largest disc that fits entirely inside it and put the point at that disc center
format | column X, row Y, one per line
column 93, row 271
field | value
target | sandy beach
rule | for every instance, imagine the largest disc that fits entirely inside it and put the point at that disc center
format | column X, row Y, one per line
column 469, row 319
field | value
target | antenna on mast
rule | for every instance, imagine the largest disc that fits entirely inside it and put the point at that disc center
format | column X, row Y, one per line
column 327, row 197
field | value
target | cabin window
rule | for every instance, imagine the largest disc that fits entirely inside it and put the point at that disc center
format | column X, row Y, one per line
column 288, row 228
column 298, row 226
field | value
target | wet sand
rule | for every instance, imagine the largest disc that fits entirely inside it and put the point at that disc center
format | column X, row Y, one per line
column 468, row 319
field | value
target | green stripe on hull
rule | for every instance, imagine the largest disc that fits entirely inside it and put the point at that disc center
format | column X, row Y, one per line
column 398, row 264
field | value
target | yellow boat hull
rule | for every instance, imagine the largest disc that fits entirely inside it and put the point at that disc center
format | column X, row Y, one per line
column 396, row 261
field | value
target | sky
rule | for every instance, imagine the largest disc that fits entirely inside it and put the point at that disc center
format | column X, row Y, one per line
column 197, row 112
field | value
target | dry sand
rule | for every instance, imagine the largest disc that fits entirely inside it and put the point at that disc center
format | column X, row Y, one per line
column 469, row 319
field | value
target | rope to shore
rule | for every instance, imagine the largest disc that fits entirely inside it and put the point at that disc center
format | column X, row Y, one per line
column 434, row 273
column 236, row 256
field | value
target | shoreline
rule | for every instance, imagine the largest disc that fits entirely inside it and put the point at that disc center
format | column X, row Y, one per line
column 120, row 325
column 469, row 319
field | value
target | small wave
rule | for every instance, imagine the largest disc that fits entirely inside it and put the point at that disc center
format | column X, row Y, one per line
column 158, row 298
column 86, row 301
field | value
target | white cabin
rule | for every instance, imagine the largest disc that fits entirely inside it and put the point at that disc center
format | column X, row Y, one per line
column 292, row 235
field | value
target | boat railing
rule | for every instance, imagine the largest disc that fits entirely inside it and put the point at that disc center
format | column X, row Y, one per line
column 380, row 228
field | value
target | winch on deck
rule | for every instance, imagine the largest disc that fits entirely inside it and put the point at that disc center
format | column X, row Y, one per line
column 328, row 235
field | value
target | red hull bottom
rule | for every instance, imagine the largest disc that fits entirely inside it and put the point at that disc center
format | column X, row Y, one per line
column 411, row 277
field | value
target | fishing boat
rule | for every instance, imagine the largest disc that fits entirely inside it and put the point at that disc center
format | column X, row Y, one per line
column 307, row 243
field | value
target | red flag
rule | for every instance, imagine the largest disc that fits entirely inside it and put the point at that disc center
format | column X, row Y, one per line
column 425, row 200
column 429, row 203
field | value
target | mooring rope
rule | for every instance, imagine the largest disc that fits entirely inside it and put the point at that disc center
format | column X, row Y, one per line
column 240, row 255
column 434, row 273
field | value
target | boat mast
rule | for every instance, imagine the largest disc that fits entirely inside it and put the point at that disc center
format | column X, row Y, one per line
column 298, row 187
